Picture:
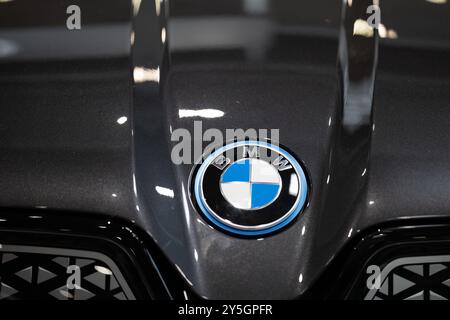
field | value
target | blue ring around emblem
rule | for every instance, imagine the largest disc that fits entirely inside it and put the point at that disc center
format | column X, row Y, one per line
column 281, row 224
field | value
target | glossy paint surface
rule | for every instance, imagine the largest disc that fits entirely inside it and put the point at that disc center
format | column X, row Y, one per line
column 86, row 119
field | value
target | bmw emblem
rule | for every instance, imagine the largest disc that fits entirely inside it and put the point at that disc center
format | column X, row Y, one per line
column 250, row 188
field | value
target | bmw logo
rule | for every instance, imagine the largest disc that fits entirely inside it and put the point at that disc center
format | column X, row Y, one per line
column 250, row 188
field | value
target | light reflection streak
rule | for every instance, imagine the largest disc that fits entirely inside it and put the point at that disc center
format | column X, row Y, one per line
column 202, row 113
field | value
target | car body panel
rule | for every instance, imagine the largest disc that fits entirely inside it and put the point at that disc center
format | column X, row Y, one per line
column 86, row 119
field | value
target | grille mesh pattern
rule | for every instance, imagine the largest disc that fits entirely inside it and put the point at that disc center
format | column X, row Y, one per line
column 50, row 273
column 414, row 278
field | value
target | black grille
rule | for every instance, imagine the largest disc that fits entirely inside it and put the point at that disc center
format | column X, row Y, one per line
column 413, row 278
column 28, row 272
column 399, row 260
column 78, row 256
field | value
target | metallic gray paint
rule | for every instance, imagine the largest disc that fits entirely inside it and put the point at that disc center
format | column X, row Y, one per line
column 370, row 159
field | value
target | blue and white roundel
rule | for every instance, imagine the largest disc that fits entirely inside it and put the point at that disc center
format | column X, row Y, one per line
column 250, row 188
column 250, row 184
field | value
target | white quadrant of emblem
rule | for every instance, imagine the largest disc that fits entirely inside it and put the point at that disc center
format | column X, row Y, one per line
column 250, row 184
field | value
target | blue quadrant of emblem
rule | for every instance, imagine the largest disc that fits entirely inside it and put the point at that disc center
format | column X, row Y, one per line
column 237, row 172
column 263, row 194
